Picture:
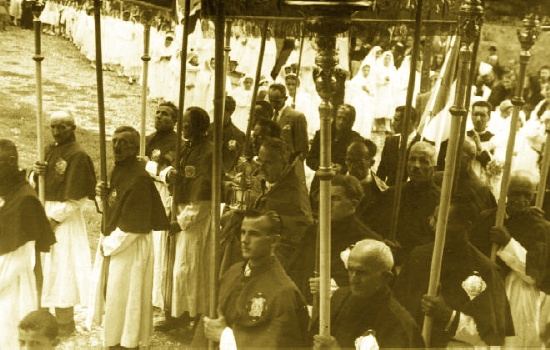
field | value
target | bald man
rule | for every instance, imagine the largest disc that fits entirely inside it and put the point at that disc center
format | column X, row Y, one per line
column 523, row 243
column 419, row 197
column 70, row 181
column 367, row 305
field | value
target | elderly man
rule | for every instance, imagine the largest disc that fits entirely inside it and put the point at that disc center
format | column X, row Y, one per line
column 367, row 306
column 523, row 243
column 123, row 267
column 70, row 181
column 259, row 305
column 346, row 229
column 284, row 191
column 24, row 230
column 293, row 123
column 419, row 197
column 471, row 308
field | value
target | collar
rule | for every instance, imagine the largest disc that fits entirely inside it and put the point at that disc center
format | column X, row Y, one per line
column 11, row 182
column 70, row 139
column 249, row 271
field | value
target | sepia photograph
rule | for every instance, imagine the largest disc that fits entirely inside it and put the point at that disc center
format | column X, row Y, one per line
column 273, row 174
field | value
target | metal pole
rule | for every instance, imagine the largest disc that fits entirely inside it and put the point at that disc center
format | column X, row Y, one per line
column 171, row 241
column 219, row 97
column 544, row 168
column 469, row 18
column 100, row 103
column 37, row 8
column 468, row 97
column 299, row 64
column 527, row 40
column 146, row 16
column 406, row 125
column 326, row 20
column 251, row 118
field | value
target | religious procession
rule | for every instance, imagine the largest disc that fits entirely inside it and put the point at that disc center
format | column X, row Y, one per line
column 316, row 174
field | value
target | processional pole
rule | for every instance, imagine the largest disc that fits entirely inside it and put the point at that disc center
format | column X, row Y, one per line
column 37, row 7
column 406, row 125
column 251, row 119
column 545, row 163
column 100, row 104
column 147, row 15
column 326, row 19
column 470, row 16
column 170, row 240
column 219, row 97
column 468, row 97
column 527, row 39
column 302, row 40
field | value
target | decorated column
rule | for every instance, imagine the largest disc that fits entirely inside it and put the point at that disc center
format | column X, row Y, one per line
column 326, row 19
column 470, row 17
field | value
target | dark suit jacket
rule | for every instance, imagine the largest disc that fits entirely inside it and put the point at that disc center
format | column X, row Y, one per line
column 294, row 130
column 387, row 170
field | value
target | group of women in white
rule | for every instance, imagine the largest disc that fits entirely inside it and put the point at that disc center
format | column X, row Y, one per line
column 378, row 88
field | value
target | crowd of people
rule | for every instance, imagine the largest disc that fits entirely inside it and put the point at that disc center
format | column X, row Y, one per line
column 157, row 212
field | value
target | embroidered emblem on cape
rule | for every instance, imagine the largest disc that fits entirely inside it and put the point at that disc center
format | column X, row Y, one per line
column 61, row 166
column 189, row 171
column 113, row 198
column 474, row 285
column 155, row 155
column 232, row 145
column 286, row 127
column 256, row 307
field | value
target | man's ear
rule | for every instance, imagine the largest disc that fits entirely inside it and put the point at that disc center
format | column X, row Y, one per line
column 372, row 162
column 388, row 277
column 276, row 240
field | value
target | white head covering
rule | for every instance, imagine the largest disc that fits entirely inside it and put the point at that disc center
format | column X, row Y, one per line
column 371, row 56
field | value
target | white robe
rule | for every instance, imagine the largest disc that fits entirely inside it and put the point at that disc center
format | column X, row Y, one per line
column 363, row 101
column 17, row 292
column 525, row 298
column 122, row 289
column 384, row 77
column 161, row 72
column 159, row 239
column 190, row 276
column 67, row 267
